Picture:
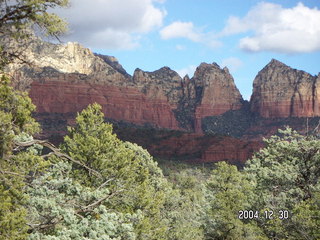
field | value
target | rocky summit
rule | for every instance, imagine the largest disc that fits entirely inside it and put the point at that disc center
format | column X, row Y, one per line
column 202, row 118
column 280, row 91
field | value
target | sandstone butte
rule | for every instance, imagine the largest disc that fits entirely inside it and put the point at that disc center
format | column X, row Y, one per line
column 64, row 79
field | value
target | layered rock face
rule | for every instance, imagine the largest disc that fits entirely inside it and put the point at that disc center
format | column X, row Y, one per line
column 280, row 91
column 67, row 58
column 163, row 83
column 64, row 59
column 64, row 79
column 54, row 92
column 216, row 91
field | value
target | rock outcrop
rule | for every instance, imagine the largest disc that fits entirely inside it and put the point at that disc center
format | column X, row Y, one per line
column 54, row 92
column 164, row 83
column 216, row 92
column 211, row 92
column 213, row 121
column 66, row 78
column 280, row 91
column 67, row 58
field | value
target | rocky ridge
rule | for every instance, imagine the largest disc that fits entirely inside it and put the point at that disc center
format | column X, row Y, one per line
column 217, row 92
column 64, row 79
column 280, row 91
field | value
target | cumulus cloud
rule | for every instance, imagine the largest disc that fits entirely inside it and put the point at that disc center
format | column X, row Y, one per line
column 232, row 63
column 187, row 70
column 110, row 25
column 180, row 30
column 187, row 30
column 278, row 29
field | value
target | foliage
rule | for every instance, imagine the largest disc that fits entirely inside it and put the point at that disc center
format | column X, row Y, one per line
column 60, row 207
column 228, row 192
column 129, row 167
column 306, row 215
column 16, row 165
column 184, row 200
column 286, row 173
column 15, row 115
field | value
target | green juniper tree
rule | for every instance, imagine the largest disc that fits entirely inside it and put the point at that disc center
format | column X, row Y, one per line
column 286, row 174
column 183, row 206
column 16, row 164
column 228, row 192
column 18, row 19
column 130, row 169
column 62, row 208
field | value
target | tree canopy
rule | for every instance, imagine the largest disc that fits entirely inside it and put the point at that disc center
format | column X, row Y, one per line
column 97, row 185
column 286, row 176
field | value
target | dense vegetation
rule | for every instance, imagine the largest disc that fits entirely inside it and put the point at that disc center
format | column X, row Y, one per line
column 95, row 186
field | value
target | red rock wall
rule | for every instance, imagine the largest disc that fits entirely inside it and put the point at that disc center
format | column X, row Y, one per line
column 219, row 92
column 119, row 103
column 205, row 110
column 230, row 149
column 201, row 148
column 280, row 92
column 284, row 109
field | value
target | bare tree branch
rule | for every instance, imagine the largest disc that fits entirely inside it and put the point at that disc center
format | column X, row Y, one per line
column 105, row 183
column 57, row 153
column 89, row 207
column 11, row 173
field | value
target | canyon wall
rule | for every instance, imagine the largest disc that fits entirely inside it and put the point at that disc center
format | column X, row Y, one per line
column 54, row 92
column 280, row 91
column 64, row 79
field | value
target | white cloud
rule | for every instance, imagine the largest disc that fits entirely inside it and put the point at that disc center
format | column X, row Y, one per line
column 187, row 30
column 232, row 63
column 180, row 30
column 160, row 1
column 110, row 25
column 278, row 29
column 180, row 47
column 188, row 70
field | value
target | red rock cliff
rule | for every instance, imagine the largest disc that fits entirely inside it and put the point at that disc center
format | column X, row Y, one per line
column 280, row 91
column 68, row 93
column 66, row 78
column 216, row 91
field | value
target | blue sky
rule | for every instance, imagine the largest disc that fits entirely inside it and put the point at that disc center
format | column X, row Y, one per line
column 243, row 35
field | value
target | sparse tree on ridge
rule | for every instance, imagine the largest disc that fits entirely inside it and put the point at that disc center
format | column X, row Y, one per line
column 19, row 19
